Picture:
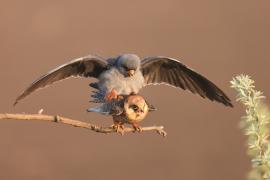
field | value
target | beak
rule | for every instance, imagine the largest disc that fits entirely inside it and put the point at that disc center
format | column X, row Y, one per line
column 139, row 111
column 131, row 72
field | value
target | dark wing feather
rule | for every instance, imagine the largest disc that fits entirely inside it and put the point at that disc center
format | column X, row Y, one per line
column 163, row 70
column 88, row 66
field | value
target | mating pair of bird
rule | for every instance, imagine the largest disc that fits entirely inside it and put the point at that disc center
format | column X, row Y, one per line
column 121, row 78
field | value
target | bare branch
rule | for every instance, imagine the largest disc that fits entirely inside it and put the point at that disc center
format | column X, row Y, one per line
column 76, row 123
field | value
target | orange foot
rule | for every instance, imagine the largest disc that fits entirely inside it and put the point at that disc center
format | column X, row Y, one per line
column 136, row 127
column 111, row 95
column 119, row 128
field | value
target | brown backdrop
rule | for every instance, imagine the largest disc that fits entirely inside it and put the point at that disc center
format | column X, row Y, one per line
column 216, row 37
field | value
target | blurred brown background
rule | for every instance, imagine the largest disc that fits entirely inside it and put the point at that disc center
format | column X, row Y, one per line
column 219, row 38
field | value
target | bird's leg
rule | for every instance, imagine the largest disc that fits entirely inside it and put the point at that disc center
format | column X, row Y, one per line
column 119, row 97
column 119, row 127
column 136, row 127
column 111, row 95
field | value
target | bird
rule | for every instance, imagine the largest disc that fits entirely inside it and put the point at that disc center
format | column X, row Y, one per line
column 131, row 109
column 127, row 74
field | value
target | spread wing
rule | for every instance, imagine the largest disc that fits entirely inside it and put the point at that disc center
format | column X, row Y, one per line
column 88, row 66
column 163, row 70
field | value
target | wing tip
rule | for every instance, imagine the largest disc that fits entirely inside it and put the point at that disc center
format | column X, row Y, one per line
column 16, row 102
column 18, row 99
column 228, row 104
column 225, row 101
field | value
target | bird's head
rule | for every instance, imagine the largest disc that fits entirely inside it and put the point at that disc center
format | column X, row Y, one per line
column 128, row 64
column 135, row 108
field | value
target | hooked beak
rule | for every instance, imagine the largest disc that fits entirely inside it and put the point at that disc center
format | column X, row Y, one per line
column 139, row 111
column 131, row 72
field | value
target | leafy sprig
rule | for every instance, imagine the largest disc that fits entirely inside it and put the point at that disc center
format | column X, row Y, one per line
column 255, row 126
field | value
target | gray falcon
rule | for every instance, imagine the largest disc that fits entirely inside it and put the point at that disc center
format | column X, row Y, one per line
column 128, row 74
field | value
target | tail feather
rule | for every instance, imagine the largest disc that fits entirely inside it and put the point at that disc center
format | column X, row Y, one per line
column 94, row 85
column 98, row 97
column 98, row 110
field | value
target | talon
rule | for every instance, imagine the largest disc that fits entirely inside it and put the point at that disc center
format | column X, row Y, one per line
column 119, row 128
column 111, row 95
column 137, row 127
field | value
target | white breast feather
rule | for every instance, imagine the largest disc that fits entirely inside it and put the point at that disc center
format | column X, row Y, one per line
column 113, row 79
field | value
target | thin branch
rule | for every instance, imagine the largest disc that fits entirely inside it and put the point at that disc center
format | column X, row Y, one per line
column 76, row 123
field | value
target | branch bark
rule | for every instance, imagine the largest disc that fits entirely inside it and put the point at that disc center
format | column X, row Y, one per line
column 76, row 123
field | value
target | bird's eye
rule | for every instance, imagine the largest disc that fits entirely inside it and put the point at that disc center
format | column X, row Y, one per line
column 134, row 107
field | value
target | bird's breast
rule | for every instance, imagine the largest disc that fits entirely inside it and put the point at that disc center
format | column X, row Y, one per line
column 121, row 84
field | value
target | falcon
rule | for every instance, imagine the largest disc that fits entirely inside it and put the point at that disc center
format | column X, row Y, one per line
column 127, row 74
column 131, row 109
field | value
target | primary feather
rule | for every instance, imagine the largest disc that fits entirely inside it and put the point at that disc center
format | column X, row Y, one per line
column 88, row 66
column 164, row 70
